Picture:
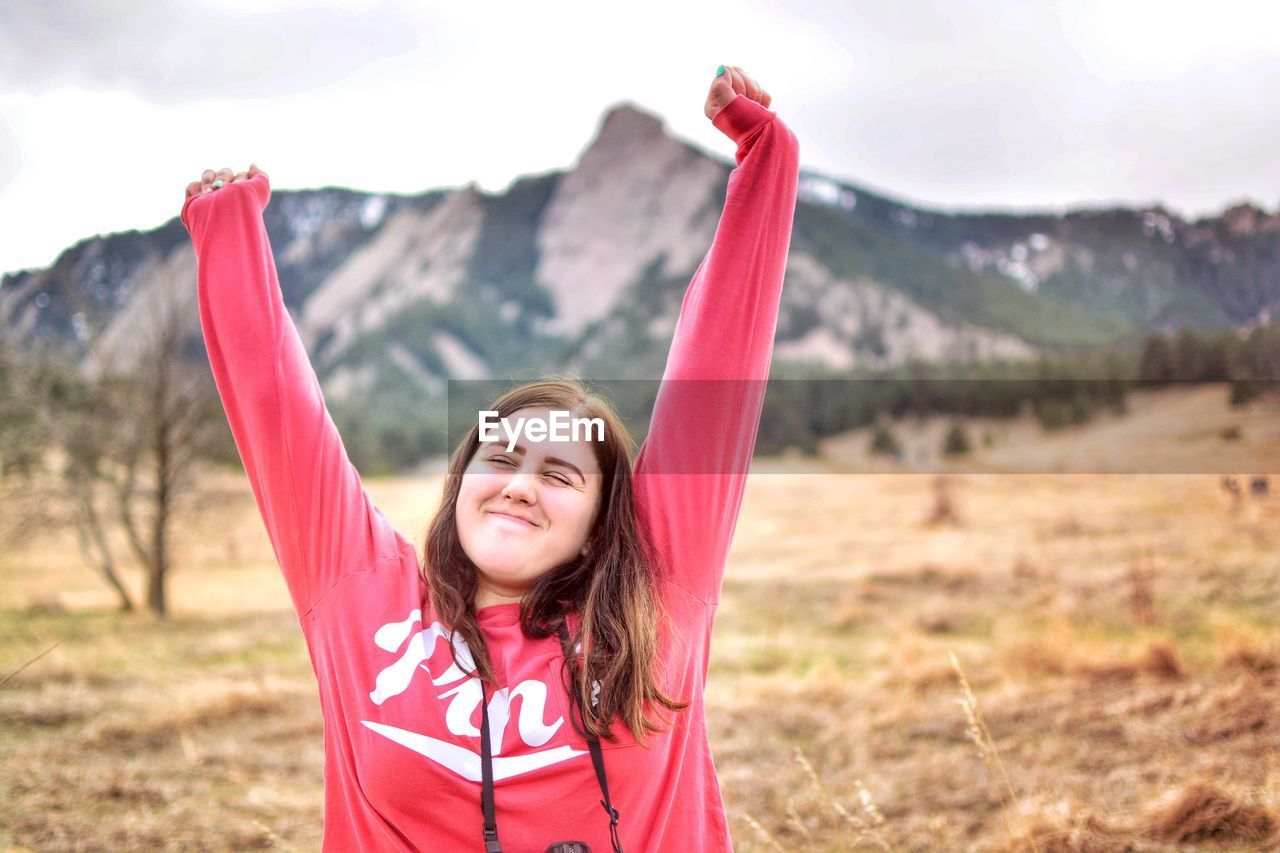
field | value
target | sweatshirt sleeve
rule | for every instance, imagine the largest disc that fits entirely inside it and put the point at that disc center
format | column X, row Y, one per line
column 691, row 470
column 321, row 523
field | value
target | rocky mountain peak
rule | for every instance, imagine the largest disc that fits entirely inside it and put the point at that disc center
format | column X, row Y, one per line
column 626, row 126
column 636, row 196
column 1245, row 219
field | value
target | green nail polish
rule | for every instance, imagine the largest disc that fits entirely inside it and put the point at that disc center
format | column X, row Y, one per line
column 720, row 71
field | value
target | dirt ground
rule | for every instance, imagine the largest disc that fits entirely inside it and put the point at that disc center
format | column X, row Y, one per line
column 1071, row 662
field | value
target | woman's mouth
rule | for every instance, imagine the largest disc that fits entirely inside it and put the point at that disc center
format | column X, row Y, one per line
column 512, row 520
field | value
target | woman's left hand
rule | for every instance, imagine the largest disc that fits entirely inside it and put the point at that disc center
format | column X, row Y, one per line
column 733, row 82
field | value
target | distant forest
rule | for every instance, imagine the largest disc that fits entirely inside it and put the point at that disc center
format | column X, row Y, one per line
column 803, row 404
column 1059, row 390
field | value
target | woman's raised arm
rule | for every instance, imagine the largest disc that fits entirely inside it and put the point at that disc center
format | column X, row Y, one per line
column 319, row 519
column 692, row 467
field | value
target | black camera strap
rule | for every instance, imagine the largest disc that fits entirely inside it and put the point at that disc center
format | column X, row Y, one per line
column 491, row 842
column 597, row 758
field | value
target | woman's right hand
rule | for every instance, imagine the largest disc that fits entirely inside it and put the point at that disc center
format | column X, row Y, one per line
column 733, row 82
column 226, row 176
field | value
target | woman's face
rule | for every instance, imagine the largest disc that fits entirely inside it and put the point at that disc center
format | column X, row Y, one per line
column 525, row 511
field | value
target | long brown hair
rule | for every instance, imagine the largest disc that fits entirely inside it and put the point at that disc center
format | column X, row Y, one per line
column 612, row 588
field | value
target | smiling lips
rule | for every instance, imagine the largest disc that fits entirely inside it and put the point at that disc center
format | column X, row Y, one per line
column 523, row 521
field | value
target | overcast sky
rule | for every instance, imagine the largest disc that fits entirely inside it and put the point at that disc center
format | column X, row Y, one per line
column 108, row 110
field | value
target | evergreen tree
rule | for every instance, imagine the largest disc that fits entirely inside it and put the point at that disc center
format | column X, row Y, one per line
column 884, row 442
column 1188, row 356
column 957, row 441
column 1156, row 365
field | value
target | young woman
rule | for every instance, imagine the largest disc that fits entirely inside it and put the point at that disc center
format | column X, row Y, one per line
column 538, row 677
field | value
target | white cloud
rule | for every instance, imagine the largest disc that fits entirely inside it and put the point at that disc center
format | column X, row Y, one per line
column 175, row 52
column 114, row 107
column 10, row 157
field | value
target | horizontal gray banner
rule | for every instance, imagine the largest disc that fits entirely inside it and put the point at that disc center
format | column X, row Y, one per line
column 1016, row 426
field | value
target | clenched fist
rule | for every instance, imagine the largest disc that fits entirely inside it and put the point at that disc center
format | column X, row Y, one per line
column 220, row 177
column 734, row 81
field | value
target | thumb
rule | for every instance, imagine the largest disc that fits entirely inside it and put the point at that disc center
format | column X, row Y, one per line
column 720, row 93
column 723, row 83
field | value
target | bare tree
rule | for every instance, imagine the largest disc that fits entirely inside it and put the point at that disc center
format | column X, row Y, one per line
column 115, row 438
column 174, row 423
column 55, row 442
column 24, row 506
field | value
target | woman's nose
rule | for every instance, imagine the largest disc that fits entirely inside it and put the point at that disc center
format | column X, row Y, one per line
column 519, row 487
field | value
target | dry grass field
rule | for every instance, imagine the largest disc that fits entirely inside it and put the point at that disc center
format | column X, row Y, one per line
column 1075, row 661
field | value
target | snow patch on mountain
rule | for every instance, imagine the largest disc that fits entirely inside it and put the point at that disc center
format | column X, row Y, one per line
column 414, row 255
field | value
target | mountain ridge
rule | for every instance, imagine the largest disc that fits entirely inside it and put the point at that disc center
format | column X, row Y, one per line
column 585, row 265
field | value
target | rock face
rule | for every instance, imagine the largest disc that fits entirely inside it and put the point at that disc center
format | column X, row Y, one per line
column 415, row 255
column 636, row 196
column 585, row 268
column 861, row 323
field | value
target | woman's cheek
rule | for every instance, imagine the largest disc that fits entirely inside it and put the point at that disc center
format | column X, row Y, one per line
column 478, row 487
column 585, row 512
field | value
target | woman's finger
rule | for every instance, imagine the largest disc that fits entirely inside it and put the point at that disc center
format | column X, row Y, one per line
column 735, row 80
column 242, row 176
column 750, row 88
column 225, row 175
column 193, row 188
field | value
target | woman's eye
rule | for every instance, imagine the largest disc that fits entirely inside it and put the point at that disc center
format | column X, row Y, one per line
column 503, row 461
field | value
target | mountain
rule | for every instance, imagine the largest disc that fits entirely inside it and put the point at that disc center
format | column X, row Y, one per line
column 584, row 269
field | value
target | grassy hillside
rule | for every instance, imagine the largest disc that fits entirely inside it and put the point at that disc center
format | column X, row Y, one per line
column 1119, row 638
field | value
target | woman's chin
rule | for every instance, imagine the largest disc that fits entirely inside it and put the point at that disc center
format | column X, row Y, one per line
column 504, row 573
column 505, row 579
column 507, row 565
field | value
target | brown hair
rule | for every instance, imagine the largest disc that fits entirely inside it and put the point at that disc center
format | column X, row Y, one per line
column 612, row 588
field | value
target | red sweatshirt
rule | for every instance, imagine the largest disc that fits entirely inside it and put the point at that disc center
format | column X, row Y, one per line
column 401, row 721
